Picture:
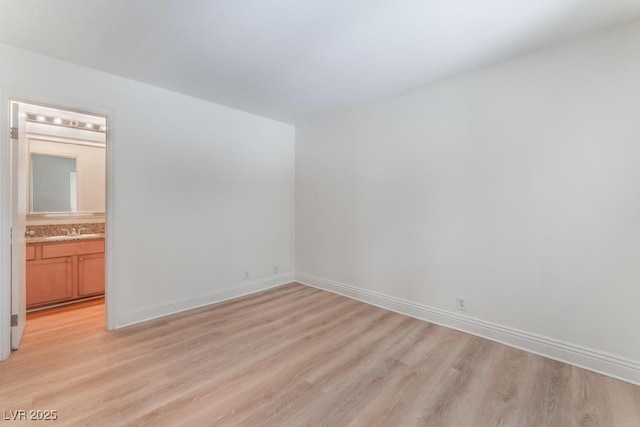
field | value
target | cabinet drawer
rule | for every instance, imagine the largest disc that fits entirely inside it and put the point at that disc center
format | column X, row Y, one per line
column 70, row 249
column 31, row 253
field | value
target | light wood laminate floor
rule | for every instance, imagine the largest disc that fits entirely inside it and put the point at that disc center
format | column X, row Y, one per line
column 295, row 356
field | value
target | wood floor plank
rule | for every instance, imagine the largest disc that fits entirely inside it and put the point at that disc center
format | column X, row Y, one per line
column 510, row 371
column 295, row 356
column 591, row 400
column 625, row 403
column 456, row 402
column 547, row 402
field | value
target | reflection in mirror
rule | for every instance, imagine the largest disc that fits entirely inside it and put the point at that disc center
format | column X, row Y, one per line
column 53, row 184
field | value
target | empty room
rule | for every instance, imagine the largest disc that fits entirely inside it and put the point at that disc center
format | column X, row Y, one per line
column 320, row 213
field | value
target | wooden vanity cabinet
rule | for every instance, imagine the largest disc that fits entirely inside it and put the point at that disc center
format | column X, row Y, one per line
column 64, row 271
column 90, row 275
column 49, row 281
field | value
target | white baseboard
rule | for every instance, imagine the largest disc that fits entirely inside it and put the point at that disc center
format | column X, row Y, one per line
column 206, row 298
column 592, row 360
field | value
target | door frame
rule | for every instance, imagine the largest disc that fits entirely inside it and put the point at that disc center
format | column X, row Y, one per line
column 8, row 95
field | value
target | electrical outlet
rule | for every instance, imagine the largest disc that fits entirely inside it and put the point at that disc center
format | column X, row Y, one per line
column 245, row 274
column 276, row 269
column 461, row 304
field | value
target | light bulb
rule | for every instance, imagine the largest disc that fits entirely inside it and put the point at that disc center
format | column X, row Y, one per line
column 89, row 125
column 41, row 118
column 57, row 121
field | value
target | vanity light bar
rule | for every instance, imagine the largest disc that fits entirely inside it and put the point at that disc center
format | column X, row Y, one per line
column 58, row 121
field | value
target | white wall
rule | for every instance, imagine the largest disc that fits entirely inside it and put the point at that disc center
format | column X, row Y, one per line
column 515, row 186
column 201, row 193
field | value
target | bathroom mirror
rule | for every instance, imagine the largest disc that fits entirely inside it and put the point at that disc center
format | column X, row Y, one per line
column 66, row 179
column 54, row 185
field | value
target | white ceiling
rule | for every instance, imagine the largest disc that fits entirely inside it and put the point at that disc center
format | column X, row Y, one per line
column 294, row 59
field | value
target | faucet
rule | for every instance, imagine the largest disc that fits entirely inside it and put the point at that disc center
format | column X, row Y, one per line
column 73, row 231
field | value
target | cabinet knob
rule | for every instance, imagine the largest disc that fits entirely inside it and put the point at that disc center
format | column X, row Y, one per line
column 68, row 259
column 81, row 259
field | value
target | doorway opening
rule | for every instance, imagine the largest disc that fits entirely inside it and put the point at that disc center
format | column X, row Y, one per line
column 58, row 201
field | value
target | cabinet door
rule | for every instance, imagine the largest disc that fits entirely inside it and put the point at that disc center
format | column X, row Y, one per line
column 49, row 280
column 90, row 275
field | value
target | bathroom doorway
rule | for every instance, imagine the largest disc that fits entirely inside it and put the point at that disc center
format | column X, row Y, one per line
column 58, row 205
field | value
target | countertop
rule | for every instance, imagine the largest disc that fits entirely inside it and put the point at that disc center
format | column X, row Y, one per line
column 62, row 239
